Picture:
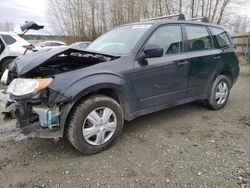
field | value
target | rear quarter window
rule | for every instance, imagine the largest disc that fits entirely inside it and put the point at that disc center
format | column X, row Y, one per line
column 220, row 36
column 8, row 39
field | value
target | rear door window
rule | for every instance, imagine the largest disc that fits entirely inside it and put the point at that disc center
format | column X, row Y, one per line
column 198, row 38
column 168, row 37
column 8, row 39
column 220, row 36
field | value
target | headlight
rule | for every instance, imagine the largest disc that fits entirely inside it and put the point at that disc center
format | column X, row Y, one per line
column 23, row 86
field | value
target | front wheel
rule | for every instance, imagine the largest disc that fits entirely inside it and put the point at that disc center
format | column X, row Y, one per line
column 94, row 124
column 219, row 93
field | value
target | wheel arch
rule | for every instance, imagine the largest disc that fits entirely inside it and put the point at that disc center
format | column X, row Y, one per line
column 229, row 75
column 4, row 59
column 113, row 91
column 8, row 57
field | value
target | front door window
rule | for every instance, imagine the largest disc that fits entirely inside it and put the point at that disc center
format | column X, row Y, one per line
column 169, row 38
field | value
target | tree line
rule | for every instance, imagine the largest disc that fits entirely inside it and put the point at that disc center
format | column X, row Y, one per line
column 90, row 18
column 6, row 26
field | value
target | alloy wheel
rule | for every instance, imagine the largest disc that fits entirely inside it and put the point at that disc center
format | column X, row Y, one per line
column 221, row 93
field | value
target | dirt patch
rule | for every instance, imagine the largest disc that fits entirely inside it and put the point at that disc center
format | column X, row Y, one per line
column 242, row 177
column 245, row 120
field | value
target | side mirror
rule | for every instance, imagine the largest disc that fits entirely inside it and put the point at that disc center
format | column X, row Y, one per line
column 153, row 50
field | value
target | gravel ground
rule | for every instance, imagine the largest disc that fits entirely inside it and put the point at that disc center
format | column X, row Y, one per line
column 186, row 146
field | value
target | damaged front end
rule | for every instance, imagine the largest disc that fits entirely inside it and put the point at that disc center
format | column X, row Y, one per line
column 34, row 115
column 37, row 85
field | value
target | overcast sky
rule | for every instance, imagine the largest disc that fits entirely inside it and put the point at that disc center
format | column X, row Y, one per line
column 18, row 11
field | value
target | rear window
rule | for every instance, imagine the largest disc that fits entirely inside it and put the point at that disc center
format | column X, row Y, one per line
column 198, row 38
column 220, row 36
column 8, row 39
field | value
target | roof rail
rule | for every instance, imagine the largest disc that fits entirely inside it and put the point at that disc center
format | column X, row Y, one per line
column 203, row 19
column 180, row 17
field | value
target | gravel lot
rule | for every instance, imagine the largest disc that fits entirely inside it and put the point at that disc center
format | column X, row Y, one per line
column 186, row 146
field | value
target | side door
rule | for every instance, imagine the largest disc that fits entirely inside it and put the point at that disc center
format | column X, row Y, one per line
column 162, row 80
column 4, row 50
column 204, row 60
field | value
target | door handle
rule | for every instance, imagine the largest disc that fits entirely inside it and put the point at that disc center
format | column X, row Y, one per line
column 183, row 62
column 217, row 57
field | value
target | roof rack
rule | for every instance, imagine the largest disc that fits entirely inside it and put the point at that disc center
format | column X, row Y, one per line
column 203, row 19
column 180, row 17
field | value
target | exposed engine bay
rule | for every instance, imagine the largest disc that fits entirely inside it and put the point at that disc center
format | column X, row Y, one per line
column 54, row 61
column 67, row 62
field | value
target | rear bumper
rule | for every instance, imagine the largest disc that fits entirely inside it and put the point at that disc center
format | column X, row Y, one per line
column 34, row 120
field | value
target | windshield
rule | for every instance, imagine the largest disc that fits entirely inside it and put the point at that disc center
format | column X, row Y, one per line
column 120, row 40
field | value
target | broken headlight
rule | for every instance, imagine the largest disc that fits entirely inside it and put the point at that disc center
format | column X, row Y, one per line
column 23, row 86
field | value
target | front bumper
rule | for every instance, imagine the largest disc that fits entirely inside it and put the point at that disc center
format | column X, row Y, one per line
column 33, row 117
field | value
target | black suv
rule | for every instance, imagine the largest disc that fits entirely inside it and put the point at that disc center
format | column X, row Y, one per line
column 130, row 71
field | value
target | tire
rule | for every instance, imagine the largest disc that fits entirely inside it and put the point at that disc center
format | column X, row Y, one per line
column 5, row 63
column 218, row 98
column 81, row 122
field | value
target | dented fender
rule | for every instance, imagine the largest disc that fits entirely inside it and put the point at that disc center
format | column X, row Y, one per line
column 78, row 89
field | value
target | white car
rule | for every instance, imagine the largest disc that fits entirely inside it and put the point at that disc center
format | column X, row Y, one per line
column 50, row 44
column 17, row 44
column 14, row 45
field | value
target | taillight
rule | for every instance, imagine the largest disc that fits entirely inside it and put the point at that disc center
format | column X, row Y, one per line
column 237, row 53
column 29, row 47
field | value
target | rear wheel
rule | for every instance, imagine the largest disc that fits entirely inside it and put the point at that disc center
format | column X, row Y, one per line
column 94, row 124
column 219, row 93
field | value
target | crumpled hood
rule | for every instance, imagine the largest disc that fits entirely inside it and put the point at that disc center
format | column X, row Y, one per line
column 26, row 63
